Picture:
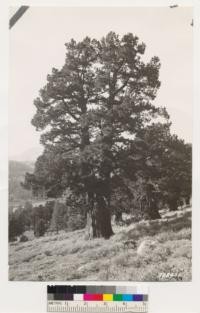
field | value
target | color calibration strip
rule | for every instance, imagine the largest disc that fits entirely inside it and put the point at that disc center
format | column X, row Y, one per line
column 94, row 293
column 96, row 299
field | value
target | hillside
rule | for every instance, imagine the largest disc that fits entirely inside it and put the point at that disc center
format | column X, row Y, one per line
column 143, row 251
column 17, row 171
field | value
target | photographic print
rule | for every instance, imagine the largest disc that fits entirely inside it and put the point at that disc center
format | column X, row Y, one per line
column 100, row 143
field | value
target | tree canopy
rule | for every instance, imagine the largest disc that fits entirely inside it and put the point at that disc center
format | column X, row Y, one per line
column 95, row 116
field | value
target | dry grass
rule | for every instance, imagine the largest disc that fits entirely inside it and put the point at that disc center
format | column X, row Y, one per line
column 68, row 256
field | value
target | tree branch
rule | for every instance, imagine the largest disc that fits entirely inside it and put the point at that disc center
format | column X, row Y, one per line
column 69, row 112
column 122, row 87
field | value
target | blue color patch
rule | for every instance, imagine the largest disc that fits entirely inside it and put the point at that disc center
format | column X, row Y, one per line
column 127, row 297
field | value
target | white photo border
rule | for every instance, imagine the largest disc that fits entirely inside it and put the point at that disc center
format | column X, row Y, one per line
column 31, row 296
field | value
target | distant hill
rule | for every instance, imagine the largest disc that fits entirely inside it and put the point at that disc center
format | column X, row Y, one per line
column 29, row 155
column 17, row 171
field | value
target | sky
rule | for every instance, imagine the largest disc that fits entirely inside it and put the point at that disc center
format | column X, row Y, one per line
column 37, row 44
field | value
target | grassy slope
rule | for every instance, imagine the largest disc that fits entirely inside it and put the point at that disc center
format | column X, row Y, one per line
column 68, row 256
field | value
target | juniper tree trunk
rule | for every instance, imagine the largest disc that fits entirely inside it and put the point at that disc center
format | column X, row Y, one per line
column 99, row 219
column 103, row 217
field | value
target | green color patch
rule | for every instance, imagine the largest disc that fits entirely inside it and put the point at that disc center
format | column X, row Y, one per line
column 117, row 297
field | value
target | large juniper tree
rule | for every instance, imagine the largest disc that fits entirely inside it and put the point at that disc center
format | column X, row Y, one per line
column 89, row 112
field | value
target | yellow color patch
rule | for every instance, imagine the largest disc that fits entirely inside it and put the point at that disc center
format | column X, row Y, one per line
column 107, row 297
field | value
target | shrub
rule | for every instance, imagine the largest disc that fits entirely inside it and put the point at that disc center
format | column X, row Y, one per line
column 23, row 238
column 75, row 221
column 16, row 225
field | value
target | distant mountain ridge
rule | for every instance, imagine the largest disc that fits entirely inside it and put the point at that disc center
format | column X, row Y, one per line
column 28, row 156
column 17, row 171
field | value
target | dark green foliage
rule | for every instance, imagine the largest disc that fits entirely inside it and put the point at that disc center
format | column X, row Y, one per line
column 26, row 212
column 77, row 210
column 177, row 181
column 28, row 217
column 16, row 226
column 44, row 213
column 164, row 162
column 59, row 217
column 70, row 215
column 169, row 163
column 121, row 202
column 49, row 206
column 75, row 221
